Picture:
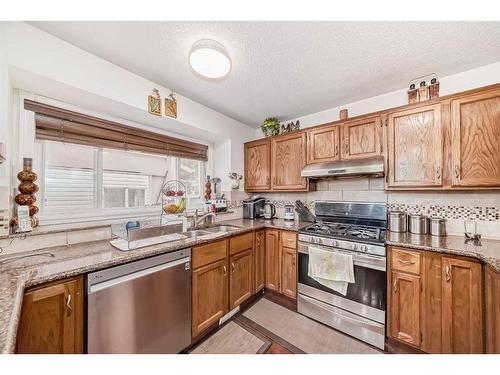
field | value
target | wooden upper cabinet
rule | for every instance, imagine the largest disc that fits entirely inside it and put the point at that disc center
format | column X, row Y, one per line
column 462, row 320
column 272, row 260
column 475, row 137
column 288, row 158
column 404, row 308
column 415, row 147
column 260, row 260
column 258, row 165
column 361, row 138
column 323, row 144
column 209, row 295
column 51, row 319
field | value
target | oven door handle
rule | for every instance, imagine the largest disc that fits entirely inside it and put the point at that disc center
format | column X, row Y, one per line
column 372, row 326
column 359, row 259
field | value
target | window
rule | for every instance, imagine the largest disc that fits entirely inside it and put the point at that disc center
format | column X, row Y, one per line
column 190, row 174
column 91, row 181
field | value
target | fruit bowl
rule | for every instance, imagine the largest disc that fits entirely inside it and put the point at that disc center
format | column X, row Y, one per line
column 173, row 197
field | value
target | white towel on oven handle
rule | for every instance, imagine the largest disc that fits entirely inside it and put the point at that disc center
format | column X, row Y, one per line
column 332, row 269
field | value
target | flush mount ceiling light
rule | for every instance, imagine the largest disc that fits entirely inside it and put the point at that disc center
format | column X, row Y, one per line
column 209, row 60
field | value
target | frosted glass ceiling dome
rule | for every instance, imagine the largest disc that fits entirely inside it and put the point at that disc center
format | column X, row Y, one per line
column 209, row 60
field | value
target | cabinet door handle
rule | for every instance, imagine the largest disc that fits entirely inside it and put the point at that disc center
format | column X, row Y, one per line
column 447, row 273
column 438, row 173
column 457, row 171
column 336, row 150
column 347, row 146
column 387, row 171
column 68, row 305
column 395, row 285
column 406, row 261
column 225, row 270
column 232, row 267
column 293, row 260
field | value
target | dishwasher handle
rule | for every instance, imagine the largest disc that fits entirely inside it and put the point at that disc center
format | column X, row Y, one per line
column 94, row 288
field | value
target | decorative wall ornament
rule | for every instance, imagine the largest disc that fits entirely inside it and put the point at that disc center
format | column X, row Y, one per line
column 27, row 189
column 290, row 127
column 270, row 126
column 154, row 103
column 208, row 189
column 171, row 106
column 423, row 88
column 235, row 178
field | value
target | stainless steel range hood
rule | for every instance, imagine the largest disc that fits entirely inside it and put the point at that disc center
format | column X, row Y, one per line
column 345, row 168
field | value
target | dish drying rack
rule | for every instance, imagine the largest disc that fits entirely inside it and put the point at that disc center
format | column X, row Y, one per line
column 148, row 232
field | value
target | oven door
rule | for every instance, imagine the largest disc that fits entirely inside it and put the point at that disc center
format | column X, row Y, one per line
column 365, row 297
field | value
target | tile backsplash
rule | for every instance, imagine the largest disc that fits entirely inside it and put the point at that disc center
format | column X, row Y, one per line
column 455, row 206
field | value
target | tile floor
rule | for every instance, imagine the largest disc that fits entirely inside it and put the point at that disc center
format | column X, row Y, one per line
column 267, row 327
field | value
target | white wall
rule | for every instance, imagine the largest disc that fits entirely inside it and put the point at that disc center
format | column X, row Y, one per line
column 5, row 130
column 470, row 79
column 39, row 63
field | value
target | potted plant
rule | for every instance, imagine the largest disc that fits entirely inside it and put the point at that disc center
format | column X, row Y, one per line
column 270, row 126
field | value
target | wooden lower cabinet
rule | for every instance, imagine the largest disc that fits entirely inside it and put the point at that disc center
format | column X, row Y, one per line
column 259, row 260
column 492, row 285
column 222, row 279
column 281, row 262
column 240, row 280
column 51, row 319
column 438, row 307
column 404, row 308
column 431, row 302
column 209, row 295
column 272, row 260
column 462, row 320
column 288, row 272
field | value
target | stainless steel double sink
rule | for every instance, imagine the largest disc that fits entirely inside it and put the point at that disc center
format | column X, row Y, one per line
column 209, row 232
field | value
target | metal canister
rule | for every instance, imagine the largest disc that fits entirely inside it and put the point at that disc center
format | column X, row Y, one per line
column 437, row 226
column 419, row 224
column 398, row 222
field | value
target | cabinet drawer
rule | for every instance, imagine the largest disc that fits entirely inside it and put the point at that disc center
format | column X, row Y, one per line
column 405, row 261
column 289, row 239
column 240, row 243
column 206, row 254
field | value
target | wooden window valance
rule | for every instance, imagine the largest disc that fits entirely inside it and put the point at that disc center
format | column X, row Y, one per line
column 57, row 124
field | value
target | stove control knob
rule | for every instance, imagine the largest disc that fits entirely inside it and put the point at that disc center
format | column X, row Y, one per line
column 320, row 241
column 364, row 248
column 354, row 246
column 336, row 243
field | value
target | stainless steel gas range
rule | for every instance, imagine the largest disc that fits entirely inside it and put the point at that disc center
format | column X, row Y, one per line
column 357, row 229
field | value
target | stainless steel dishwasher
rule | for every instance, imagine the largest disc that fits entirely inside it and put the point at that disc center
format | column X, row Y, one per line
column 141, row 307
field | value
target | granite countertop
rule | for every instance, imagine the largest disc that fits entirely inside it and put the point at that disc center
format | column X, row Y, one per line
column 17, row 275
column 486, row 250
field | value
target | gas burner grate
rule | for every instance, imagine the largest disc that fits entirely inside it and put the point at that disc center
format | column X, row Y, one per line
column 345, row 230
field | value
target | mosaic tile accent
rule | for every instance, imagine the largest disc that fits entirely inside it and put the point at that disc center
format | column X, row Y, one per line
column 479, row 213
column 278, row 203
column 451, row 212
column 233, row 204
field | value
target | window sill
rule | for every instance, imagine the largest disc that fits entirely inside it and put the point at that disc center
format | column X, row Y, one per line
column 84, row 225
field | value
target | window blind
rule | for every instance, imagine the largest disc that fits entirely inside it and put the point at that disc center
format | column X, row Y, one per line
column 57, row 124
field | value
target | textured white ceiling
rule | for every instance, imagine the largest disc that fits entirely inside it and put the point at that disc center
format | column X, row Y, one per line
column 288, row 69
